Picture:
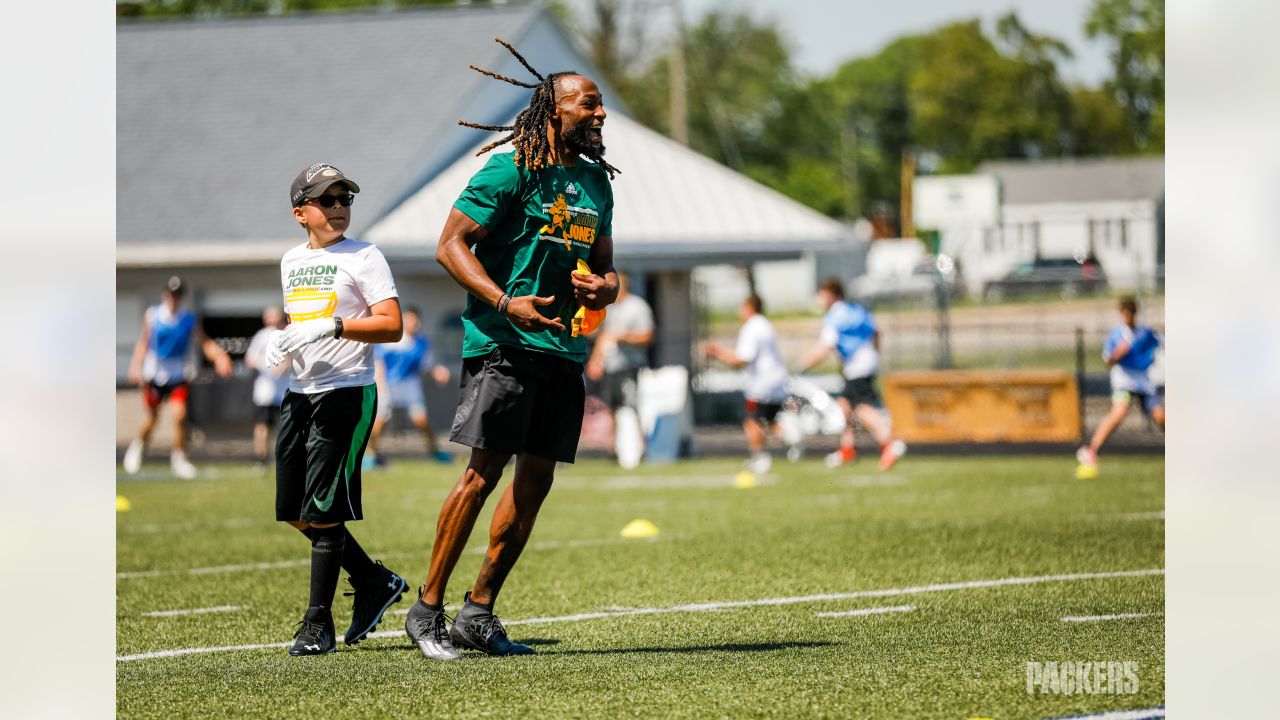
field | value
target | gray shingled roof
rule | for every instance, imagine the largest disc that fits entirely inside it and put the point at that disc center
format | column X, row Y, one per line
column 214, row 118
column 1082, row 180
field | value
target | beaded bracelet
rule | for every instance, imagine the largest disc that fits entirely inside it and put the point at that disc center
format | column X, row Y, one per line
column 502, row 303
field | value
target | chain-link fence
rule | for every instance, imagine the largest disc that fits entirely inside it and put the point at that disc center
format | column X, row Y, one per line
column 939, row 327
column 922, row 329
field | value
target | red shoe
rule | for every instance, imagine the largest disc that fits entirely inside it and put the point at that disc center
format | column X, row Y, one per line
column 891, row 452
column 841, row 457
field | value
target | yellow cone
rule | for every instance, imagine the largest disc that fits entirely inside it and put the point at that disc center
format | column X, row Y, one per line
column 123, row 504
column 744, row 480
column 640, row 528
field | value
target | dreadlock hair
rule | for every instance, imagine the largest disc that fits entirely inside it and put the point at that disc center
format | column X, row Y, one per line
column 529, row 132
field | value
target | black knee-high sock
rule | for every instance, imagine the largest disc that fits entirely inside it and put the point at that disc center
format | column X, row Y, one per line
column 355, row 560
column 326, row 562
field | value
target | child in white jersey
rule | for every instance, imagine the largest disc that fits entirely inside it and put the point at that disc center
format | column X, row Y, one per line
column 340, row 297
column 766, row 382
column 269, row 386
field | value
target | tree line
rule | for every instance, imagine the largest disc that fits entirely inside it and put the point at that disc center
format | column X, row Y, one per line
column 950, row 97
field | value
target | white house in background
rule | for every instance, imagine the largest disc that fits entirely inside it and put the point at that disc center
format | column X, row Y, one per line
column 1110, row 208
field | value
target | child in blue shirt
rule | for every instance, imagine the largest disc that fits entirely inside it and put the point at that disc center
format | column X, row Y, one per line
column 399, row 371
column 1129, row 351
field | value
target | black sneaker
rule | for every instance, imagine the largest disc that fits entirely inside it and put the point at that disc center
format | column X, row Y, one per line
column 372, row 598
column 478, row 629
column 425, row 628
column 315, row 636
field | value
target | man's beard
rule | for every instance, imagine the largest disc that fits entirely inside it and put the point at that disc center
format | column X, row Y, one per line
column 582, row 141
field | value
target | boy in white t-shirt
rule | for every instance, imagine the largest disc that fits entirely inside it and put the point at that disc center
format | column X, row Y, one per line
column 766, row 382
column 268, row 387
column 340, row 297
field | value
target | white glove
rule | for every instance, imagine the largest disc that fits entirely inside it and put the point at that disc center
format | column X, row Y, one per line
column 305, row 333
column 274, row 354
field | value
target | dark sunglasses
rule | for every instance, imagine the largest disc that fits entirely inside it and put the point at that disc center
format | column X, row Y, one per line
column 327, row 201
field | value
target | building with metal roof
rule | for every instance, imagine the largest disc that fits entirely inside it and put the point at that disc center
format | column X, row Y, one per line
column 1077, row 180
column 214, row 118
column 1108, row 209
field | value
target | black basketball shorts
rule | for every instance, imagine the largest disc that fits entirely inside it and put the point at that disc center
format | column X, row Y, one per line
column 860, row 391
column 520, row 401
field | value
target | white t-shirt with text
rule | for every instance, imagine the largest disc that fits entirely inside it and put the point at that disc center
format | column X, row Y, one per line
column 271, row 382
column 629, row 315
column 341, row 280
column 766, row 372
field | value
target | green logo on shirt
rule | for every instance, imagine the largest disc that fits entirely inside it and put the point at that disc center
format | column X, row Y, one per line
column 312, row 275
column 574, row 224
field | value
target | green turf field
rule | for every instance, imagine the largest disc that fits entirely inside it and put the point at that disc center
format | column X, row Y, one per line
column 927, row 526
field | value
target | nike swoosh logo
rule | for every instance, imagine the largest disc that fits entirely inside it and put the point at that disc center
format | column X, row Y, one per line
column 326, row 503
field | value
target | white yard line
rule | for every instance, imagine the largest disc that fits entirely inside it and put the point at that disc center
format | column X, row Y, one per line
column 721, row 605
column 968, row 585
column 862, row 481
column 1156, row 515
column 196, row 611
column 1136, row 516
column 198, row 650
column 284, row 564
column 1144, row 714
column 868, row 611
column 279, row 565
column 1117, row 616
column 563, row 544
column 678, row 482
column 158, row 528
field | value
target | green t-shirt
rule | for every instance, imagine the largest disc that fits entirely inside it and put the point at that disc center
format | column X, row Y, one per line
column 539, row 223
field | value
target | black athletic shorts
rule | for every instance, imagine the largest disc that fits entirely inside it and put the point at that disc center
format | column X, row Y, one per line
column 520, row 401
column 619, row 388
column 266, row 414
column 321, row 441
column 762, row 411
column 861, row 390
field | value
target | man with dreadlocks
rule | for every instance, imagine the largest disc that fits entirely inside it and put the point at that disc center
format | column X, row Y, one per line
column 513, row 239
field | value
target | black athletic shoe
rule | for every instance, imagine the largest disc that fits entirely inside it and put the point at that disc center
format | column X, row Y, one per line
column 372, row 598
column 315, row 636
column 425, row 628
column 478, row 629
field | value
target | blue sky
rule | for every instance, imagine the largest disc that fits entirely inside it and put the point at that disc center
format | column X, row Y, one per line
column 825, row 33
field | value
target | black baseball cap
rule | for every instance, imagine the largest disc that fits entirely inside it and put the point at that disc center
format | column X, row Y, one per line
column 314, row 180
column 175, row 285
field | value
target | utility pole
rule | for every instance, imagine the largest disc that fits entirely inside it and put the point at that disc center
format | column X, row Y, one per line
column 679, row 80
column 905, row 226
column 849, row 169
